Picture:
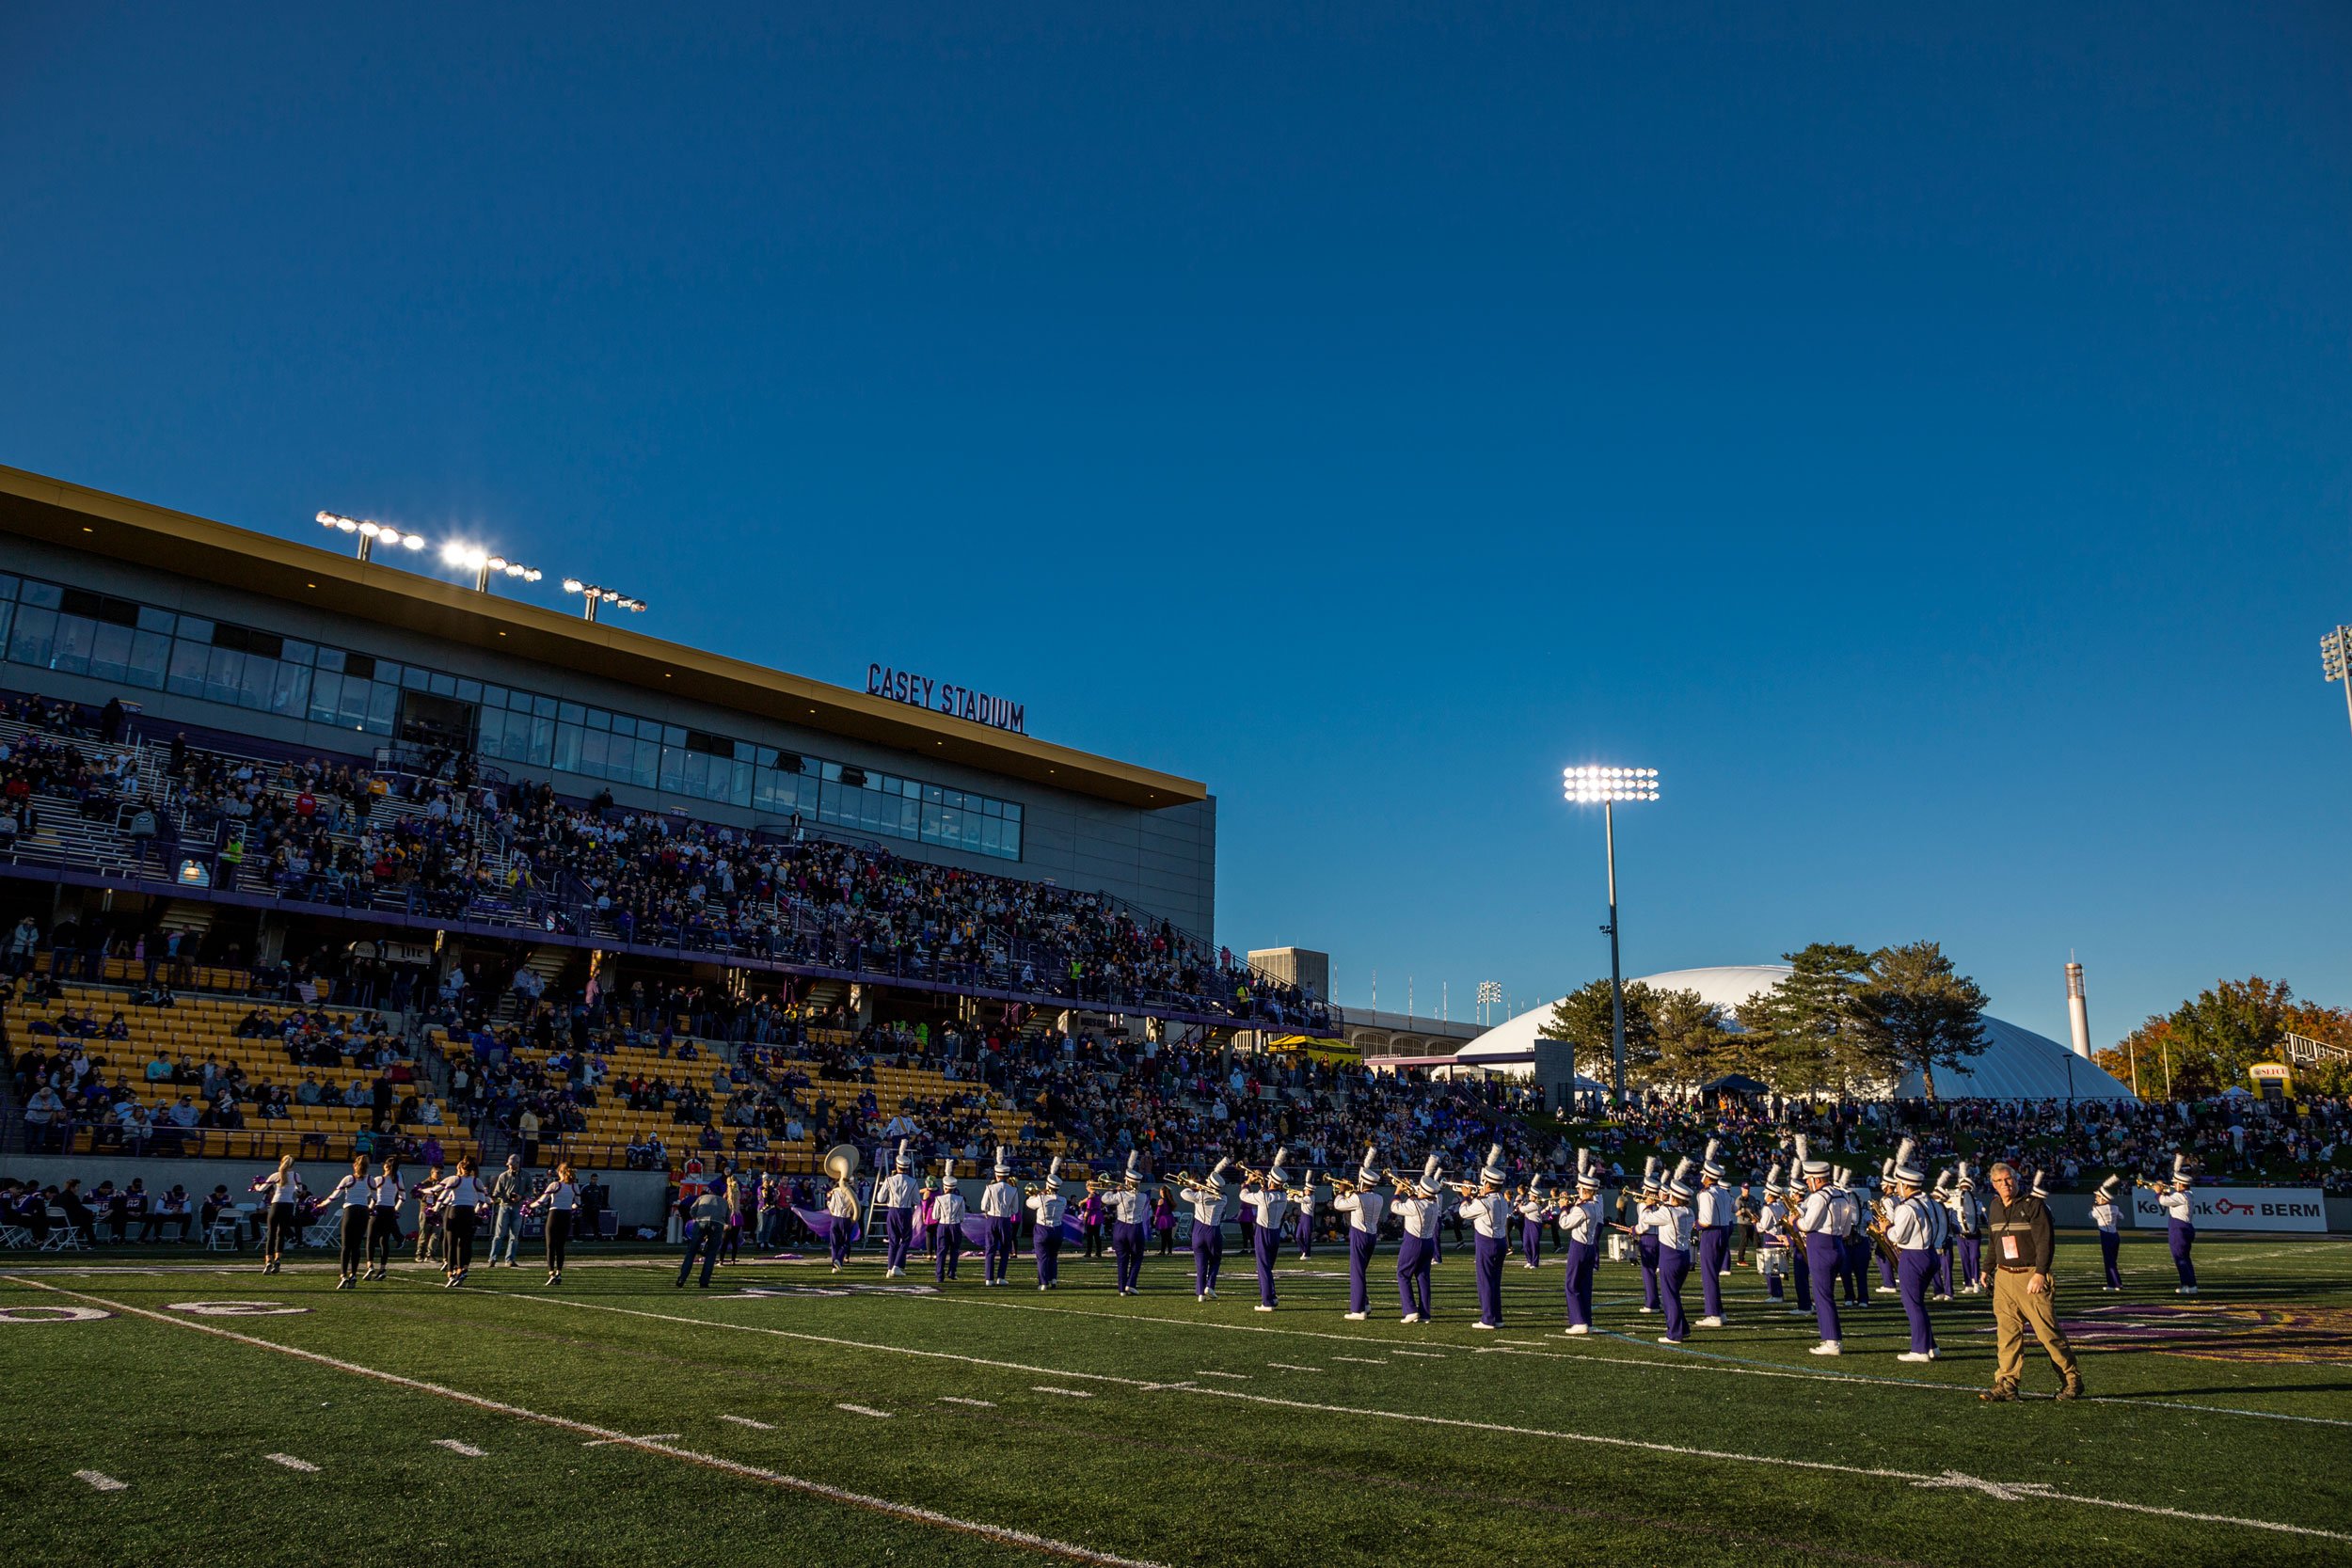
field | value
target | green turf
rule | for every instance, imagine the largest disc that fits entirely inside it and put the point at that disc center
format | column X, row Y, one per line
column 1162, row 1462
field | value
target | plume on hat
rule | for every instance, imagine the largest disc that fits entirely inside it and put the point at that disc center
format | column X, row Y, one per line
column 1902, row 1166
column 1368, row 1173
column 1707, row 1166
column 1494, row 1173
column 1135, row 1168
column 1004, row 1161
column 903, row 1162
column 1679, row 1184
column 1052, row 1175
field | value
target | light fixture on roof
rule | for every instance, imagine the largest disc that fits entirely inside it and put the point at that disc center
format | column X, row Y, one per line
column 2335, row 660
column 1605, row 787
column 368, row 533
column 595, row 596
column 484, row 566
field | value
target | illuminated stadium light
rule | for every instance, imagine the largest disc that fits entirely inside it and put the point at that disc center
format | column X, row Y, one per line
column 596, row 595
column 2335, row 661
column 1605, row 787
column 369, row 532
column 484, row 566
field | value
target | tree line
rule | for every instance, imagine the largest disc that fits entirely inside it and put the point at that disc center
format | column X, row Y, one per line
column 2205, row 1046
column 1841, row 1022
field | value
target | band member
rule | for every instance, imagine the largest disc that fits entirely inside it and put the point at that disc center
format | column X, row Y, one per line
column 1911, row 1231
column 2108, row 1218
column 459, row 1201
column 1050, row 1206
column 1580, row 1234
column 559, row 1202
column 1490, row 1213
column 1773, row 1224
column 1645, row 1204
column 2025, row 1245
column 1420, row 1206
column 354, row 1190
column 1880, row 1209
column 384, row 1194
column 1854, row 1257
column 894, row 1195
column 947, row 1224
column 1674, row 1229
column 1266, row 1196
column 1821, row 1221
column 1533, row 1209
column 1941, row 1214
column 1968, row 1227
column 1363, row 1208
column 285, row 1208
column 841, row 1203
column 1000, row 1205
column 1712, row 1217
column 1128, row 1205
column 2180, row 1223
column 1207, row 1198
column 1303, row 1214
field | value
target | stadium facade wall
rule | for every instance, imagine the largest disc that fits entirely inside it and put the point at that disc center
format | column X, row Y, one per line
column 1163, row 860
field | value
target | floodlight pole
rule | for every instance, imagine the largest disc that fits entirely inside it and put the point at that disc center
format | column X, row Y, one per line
column 1616, row 981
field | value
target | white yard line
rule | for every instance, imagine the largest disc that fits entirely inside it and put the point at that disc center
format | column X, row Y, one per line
column 1073, row 1393
column 1002, row 1534
column 864, row 1410
column 2004, row 1491
column 649, row 1437
column 1289, row 1367
column 291, row 1462
column 451, row 1443
column 1363, row 1360
column 1236, row 1377
column 747, row 1422
column 102, row 1481
column 983, row 1405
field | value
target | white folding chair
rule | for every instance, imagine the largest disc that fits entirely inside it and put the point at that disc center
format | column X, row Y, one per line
column 221, row 1235
column 63, row 1235
column 13, row 1235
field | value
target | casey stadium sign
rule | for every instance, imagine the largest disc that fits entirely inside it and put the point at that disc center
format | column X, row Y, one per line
column 957, row 701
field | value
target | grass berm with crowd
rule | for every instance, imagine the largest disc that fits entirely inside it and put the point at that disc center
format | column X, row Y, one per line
column 787, row 1415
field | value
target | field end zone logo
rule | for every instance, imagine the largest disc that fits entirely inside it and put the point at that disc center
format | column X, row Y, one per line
column 237, row 1309
column 838, row 1291
column 2266, row 1336
column 51, row 1314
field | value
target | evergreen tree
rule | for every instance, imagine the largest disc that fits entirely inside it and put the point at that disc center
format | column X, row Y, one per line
column 1582, row 1019
column 1692, row 1044
column 1914, row 1012
column 1805, row 1024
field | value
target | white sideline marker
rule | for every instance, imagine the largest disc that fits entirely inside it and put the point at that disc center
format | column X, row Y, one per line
column 453, row 1446
column 857, row 1410
column 1288, row 1368
column 747, row 1422
column 1361, row 1361
column 1419, row 1354
column 101, row 1480
column 1235, row 1377
column 291, row 1462
column 1066, row 1393
column 649, row 1437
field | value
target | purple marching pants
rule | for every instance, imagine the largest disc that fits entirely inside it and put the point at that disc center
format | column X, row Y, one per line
column 1208, row 1251
column 1359, row 1245
column 1306, row 1233
column 1048, row 1254
column 1801, row 1266
column 1269, row 1240
column 837, row 1241
column 1673, row 1266
column 1886, row 1271
column 1579, row 1259
column 2182, row 1237
column 897, row 1235
column 1943, row 1271
column 997, row 1256
column 1127, row 1252
column 1971, row 1260
column 1487, row 1260
column 1645, row 1246
column 947, row 1247
column 1715, row 1248
column 2109, row 1245
column 1531, row 1241
column 1915, row 1268
column 1825, row 1252
column 1857, row 1270
column 1412, row 1275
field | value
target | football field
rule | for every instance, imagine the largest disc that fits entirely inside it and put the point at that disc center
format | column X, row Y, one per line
column 201, row 1412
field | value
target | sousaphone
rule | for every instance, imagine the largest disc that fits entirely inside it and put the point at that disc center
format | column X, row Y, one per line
column 840, row 1162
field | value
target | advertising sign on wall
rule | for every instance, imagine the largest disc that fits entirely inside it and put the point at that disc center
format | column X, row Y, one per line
column 2242, row 1209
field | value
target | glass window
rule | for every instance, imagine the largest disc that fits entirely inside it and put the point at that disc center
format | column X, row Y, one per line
column 188, row 659
column 648, row 762
column 295, row 652
column 110, row 653
column 34, row 634
column 73, row 638
column 41, row 596
column 8, row 587
column 222, row 673
column 151, row 619
column 440, row 685
column 357, row 694
column 494, row 696
column 332, row 659
column 542, row 741
column 411, row 676
column 381, row 706
column 597, row 719
column 327, row 691
column 150, row 653
column 290, row 692
column 591, row 745
column 567, row 746
column 622, row 724
column 470, row 691
column 571, row 713
column 673, row 769
column 260, row 676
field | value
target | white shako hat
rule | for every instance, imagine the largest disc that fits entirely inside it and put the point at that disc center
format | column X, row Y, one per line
column 1368, row 1173
column 2180, row 1172
column 1535, row 1185
column 1707, row 1166
column 1649, row 1176
column 1904, row 1167
column 1004, row 1161
column 1967, row 1182
column 948, row 1169
column 1586, row 1176
column 1216, row 1173
column 1494, row 1175
column 1807, row 1164
column 2037, row 1190
column 1771, row 1182
column 903, row 1162
column 1134, row 1169
column 1274, row 1173
column 1679, row 1184
column 1053, row 1175
column 2112, row 1188
column 1432, row 1178
column 1943, row 1182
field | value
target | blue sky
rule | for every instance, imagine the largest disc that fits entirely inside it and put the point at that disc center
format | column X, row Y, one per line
column 1922, row 438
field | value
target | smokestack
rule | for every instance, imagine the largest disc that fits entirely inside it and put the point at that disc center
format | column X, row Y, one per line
column 2077, row 1010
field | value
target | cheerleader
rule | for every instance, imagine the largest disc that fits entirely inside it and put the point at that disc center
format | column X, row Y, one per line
column 353, row 1191
column 429, row 1248
column 1050, row 1206
column 2108, row 1218
column 559, row 1203
column 285, row 1207
column 841, row 1203
column 1363, row 1208
column 384, row 1197
column 1580, row 1232
column 947, row 1224
column 458, row 1202
column 1674, row 1227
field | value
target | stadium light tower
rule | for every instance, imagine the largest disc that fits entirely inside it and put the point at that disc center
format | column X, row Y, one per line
column 1489, row 995
column 1604, row 787
column 2335, row 661
column 484, row 566
column 368, row 533
column 596, row 595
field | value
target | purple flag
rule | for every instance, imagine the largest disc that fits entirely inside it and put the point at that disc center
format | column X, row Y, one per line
column 822, row 1223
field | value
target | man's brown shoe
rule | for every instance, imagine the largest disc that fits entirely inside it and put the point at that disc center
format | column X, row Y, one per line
column 2000, row 1393
column 2074, row 1389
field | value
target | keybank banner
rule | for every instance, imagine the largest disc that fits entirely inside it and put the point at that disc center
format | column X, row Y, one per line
column 2241, row 1209
column 957, row 701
